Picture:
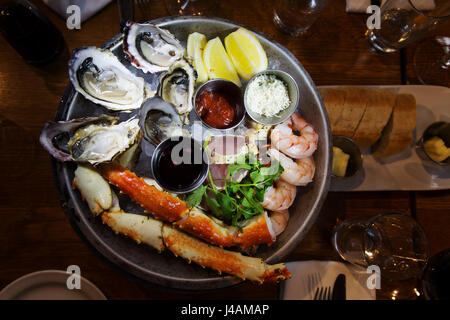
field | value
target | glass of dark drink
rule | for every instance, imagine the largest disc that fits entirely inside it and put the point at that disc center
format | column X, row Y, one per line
column 436, row 278
column 30, row 32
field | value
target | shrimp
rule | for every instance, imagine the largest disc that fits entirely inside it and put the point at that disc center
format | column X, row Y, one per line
column 279, row 220
column 297, row 172
column 280, row 196
column 295, row 146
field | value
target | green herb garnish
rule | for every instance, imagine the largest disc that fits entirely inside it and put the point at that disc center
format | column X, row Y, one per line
column 238, row 201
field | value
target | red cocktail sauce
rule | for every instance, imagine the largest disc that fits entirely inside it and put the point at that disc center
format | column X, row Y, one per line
column 215, row 109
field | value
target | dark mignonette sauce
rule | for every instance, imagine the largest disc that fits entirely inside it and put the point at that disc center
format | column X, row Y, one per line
column 179, row 165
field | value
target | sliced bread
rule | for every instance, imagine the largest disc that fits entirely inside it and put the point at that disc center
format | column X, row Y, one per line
column 352, row 111
column 397, row 135
column 333, row 100
column 380, row 104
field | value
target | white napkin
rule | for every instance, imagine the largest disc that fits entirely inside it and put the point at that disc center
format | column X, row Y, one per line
column 87, row 7
column 296, row 288
column 361, row 5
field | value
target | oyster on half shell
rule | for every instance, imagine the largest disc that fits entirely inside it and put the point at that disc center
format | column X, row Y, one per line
column 159, row 120
column 94, row 140
column 151, row 48
column 177, row 86
column 100, row 77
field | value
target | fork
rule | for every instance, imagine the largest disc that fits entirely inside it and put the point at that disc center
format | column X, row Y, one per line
column 313, row 281
column 323, row 293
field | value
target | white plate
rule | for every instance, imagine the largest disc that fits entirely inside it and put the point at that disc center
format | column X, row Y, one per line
column 49, row 285
column 407, row 170
column 299, row 288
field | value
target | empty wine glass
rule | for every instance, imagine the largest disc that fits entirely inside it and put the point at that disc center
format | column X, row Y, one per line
column 403, row 22
column 394, row 242
column 296, row 16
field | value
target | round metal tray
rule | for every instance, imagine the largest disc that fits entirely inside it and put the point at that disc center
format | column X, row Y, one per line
column 165, row 269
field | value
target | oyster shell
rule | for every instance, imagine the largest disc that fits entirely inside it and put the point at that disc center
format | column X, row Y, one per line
column 159, row 120
column 177, row 86
column 93, row 140
column 151, row 48
column 101, row 78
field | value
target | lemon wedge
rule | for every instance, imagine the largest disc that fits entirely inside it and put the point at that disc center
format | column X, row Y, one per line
column 246, row 53
column 196, row 43
column 217, row 62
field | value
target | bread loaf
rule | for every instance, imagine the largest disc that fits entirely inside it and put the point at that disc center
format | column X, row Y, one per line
column 375, row 118
column 397, row 135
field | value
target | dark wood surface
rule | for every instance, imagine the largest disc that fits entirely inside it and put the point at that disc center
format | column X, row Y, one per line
column 34, row 231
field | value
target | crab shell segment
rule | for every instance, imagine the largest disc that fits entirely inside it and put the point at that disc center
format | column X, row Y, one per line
column 94, row 189
column 161, row 204
column 160, row 236
column 169, row 208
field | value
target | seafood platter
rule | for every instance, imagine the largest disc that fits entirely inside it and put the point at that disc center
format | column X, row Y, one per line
column 250, row 111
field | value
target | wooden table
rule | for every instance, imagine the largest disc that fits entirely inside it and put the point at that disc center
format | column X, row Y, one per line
column 34, row 231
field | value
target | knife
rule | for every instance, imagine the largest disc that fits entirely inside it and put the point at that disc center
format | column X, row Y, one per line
column 126, row 12
column 339, row 291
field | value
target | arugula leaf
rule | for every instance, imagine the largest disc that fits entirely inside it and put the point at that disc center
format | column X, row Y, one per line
column 248, row 194
column 214, row 206
column 226, row 204
column 239, row 201
column 195, row 197
column 259, row 195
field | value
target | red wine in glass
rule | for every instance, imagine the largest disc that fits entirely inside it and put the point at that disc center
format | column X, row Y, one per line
column 30, row 32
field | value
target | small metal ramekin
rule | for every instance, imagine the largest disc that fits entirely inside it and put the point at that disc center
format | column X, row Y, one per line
column 154, row 165
column 349, row 147
column 231, row 91
column 294, row 96
column 439, row 129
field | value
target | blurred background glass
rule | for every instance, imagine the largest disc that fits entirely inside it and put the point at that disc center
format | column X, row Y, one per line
column 29, row 32
column 394, row 242
column 191, row 7
column 403, row 22
column 296, row 16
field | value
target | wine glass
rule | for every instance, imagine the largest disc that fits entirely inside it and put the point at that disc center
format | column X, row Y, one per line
column 393, row 242
column 296, row 16
column 436, row 278
column 404, row 22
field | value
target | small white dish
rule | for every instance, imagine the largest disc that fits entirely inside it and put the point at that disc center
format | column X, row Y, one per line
column 49, row 285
